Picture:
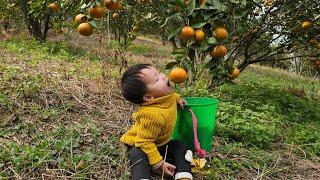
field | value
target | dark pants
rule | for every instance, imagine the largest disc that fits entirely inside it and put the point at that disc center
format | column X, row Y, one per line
column 139, row 163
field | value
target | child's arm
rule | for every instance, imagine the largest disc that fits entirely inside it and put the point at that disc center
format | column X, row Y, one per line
column 150, row 127
column 180, row 100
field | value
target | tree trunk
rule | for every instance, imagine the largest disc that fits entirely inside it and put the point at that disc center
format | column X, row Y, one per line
column 37, row 26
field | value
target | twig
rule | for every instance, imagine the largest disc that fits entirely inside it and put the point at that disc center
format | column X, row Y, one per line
column 304, row 153
column 164, row 160
column 15, row 173
column 135, row 163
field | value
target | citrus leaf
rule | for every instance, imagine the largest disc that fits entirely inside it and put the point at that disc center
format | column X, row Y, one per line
column 190, row 8
column 198, row 24
column 212, row 40
column 171, row 65
column 170, row 17
column 180, row 3
column 243, row 2
column 93, row 24
column 217, row 5
column 204, row 46
column 174, row 33
column 179, row 51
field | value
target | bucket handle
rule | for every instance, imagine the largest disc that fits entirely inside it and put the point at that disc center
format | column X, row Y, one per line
column 198, row 149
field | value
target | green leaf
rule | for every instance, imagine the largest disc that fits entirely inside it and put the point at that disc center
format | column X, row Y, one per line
column 93, row 24
column 180, row 3
column 171, row 65
column 243, row 2
column 190, row 7
column 204, row 46
column 211, row 64
column 175, row 32
column 179, row 56
column 216, row 4
column 198, row 24
column 207, row 15
column 179, row 51
column 240, row 14
column 212, row 40
column 186, row 63
column 170, row 17
column 234, row 1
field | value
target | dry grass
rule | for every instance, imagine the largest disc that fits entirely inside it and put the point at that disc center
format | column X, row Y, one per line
column 99, row 98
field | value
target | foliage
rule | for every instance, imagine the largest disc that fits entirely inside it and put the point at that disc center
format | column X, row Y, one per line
column 258, row 32
column 39, row 16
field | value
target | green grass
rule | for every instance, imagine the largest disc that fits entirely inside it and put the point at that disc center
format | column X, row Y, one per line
column 57, row 110
column 261, row 116
column 145, row 50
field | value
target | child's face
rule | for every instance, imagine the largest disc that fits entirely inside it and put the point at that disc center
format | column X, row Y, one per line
column 157, row 83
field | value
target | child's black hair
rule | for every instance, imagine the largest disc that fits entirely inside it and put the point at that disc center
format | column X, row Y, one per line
column 132, row 86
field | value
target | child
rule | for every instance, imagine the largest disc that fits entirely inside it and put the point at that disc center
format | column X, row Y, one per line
column 148, row 140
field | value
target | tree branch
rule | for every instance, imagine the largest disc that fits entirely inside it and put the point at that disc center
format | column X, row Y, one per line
column 279, row 59
column 272, row 40
column 265, row 55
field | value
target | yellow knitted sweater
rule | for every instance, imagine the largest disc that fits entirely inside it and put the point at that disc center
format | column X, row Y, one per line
column 154, row 124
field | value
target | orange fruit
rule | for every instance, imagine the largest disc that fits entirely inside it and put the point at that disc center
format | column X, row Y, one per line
column 111, row 6
column 199, row 35
column 219, row 51
column 80, row 18
column 54, row 6
column 116, row 5
column 317, row 63
column 178, row 75
column 108, row 3
column 187, row 33
column 306, row 25
column 96, row 12
column 182, row 38
column 115, row 16
column 85, row 29
column 235, row 73
column 220, row 33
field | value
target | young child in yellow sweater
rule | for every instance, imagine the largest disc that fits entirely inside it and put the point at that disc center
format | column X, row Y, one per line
column 148, row 139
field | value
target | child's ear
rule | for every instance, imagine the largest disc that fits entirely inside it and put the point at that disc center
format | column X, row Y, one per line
column 148, row 97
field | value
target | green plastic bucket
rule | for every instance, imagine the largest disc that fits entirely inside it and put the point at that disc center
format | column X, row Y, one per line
column 205, row 110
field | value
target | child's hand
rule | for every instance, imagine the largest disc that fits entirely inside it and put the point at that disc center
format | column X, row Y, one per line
column 182, row 102
column 168, row 168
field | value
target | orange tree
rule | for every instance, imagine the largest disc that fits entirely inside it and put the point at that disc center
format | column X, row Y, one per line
column 126, row 19
column 287, row 33
column 224, row 37
column 8, row 14
column 132, row 19
column 41, row 15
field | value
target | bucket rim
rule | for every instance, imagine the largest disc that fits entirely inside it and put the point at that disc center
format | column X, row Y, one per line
column 215, row 101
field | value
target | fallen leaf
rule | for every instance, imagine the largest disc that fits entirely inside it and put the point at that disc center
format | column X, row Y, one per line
column 80, row 165
column 199, row 163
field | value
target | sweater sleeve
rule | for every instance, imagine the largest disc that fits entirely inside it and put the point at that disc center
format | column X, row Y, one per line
column 151, row 124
